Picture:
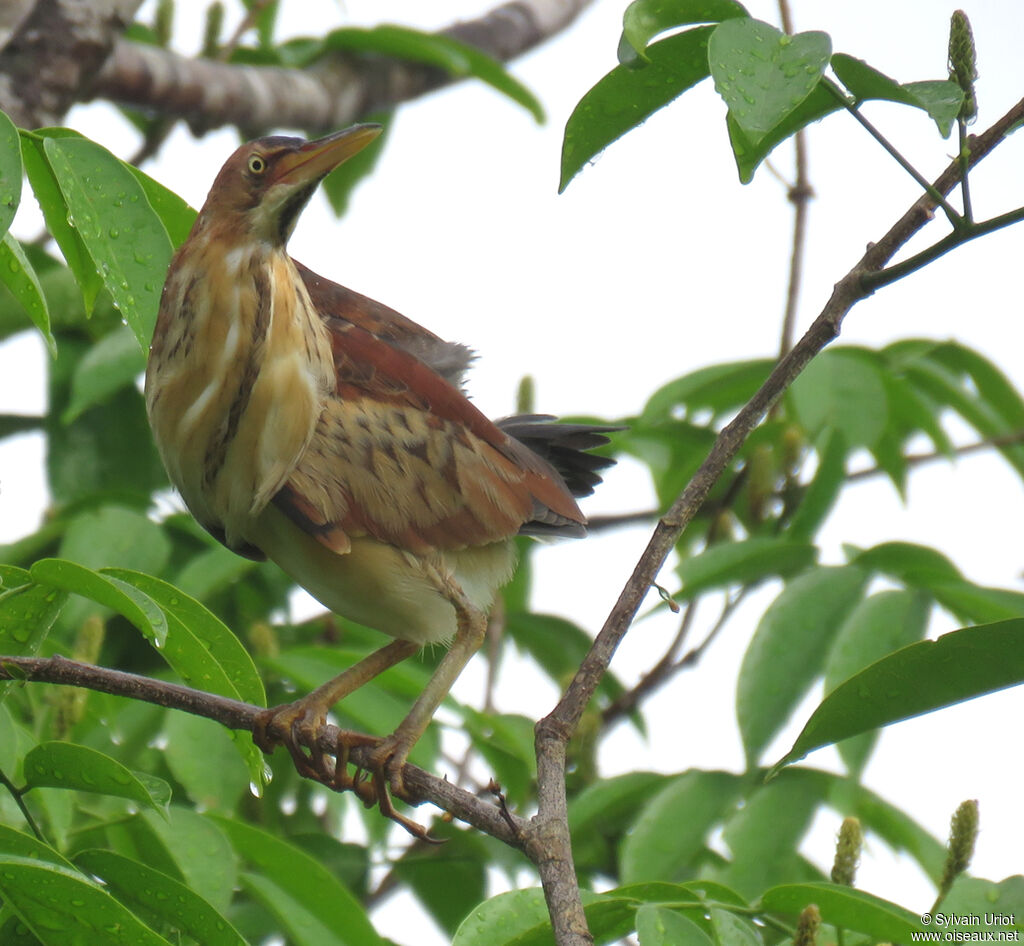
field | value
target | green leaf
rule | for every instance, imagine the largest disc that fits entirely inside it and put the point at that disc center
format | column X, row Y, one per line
column 434, row 49
column 669, row 833
column 603, row 811
column 506, row 742
column 733, row 930
column 112, row 363
column 1001, row 905
column 954, row 376
column 749, row 153
column 115, row 535
column 27, row 614
column 764, row 74
column 212, row 570
column 993, row 388
column 626, row 97
column 43, row 179
column 449, row 879
column 977, row 603
column 672, row 450
column 764, row 834
column 201, row 628
column 788, row 650
column 62, row 906
column 845, row 908
column 70, row 766
column 657, row 926
column 904, row 561
column 175, row 214
column 17, row 274
column 503, row 919
column 205, row 654
column 318, row 895
column 10, row 172
column 878, row 625
column 843, row 389
column 193, row 849
column 151, row 893
column 821, row 493
column 557, row 644
column 645, row 19
column 109, row 449
column 141, row 610
column 743, row 563
column 918, row 679
column 25, row 845
column 717, row 388
column 940, row 99
column 131, row 250
column 212, row 786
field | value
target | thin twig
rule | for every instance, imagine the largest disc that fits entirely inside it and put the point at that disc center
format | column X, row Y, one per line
column 799, row 194
column 18, row 794
column 937, row 196
column 875, row 280
column 918, row 459
column 965, row 178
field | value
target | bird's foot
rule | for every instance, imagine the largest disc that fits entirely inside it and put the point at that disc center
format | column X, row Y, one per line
column 385, row 767
column 298, row 727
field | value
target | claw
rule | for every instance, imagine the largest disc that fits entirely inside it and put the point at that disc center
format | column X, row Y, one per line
column 294, row 728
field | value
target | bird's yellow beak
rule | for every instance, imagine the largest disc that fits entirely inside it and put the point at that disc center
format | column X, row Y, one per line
column 314, row 159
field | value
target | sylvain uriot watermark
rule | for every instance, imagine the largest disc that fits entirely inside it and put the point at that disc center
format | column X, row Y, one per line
column 968, row 928
column 969, row 919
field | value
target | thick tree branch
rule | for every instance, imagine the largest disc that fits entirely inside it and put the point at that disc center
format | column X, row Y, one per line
column 554, row 731
column 65, row 51
column 484, row 815
column 54, row 53
column 208, row 93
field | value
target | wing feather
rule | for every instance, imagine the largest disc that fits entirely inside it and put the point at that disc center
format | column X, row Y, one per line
column 401, row 455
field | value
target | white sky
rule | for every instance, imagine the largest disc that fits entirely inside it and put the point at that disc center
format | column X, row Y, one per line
column 653, row 263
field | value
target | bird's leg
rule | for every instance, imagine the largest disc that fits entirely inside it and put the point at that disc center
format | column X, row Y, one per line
column 389, row 757
column 297, row 724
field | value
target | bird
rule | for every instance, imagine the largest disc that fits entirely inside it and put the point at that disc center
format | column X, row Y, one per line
column 306, row 423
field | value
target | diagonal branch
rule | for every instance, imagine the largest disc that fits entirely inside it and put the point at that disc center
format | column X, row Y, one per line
column 554, row 731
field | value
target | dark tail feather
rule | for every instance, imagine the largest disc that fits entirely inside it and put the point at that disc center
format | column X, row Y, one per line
column 564, row 446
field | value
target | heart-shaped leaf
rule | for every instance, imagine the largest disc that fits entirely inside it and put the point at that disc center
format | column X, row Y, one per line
column 762, row 73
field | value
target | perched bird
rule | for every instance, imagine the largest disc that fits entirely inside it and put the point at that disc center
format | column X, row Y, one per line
column 304, row 422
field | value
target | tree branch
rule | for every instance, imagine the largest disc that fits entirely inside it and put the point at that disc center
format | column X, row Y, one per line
column 330, row 94
column 54, row 53
column 554, row 731
column 483, row 815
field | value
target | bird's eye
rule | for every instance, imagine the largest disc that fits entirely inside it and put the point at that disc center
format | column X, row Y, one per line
column 257, row 165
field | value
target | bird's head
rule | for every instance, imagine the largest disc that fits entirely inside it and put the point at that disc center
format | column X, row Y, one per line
column 263, row 187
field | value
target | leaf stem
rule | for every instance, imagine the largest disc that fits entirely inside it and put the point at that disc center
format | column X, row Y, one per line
column 18, row 794
column 954, row 218
column 965, row 187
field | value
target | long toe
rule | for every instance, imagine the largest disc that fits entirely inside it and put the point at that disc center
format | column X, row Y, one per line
column 296, row 727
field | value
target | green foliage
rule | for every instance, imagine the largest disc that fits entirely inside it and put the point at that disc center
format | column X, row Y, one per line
column 123, row 822
column 772, row 84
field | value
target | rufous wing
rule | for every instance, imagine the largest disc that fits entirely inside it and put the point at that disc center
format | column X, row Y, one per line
column 400, row 454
